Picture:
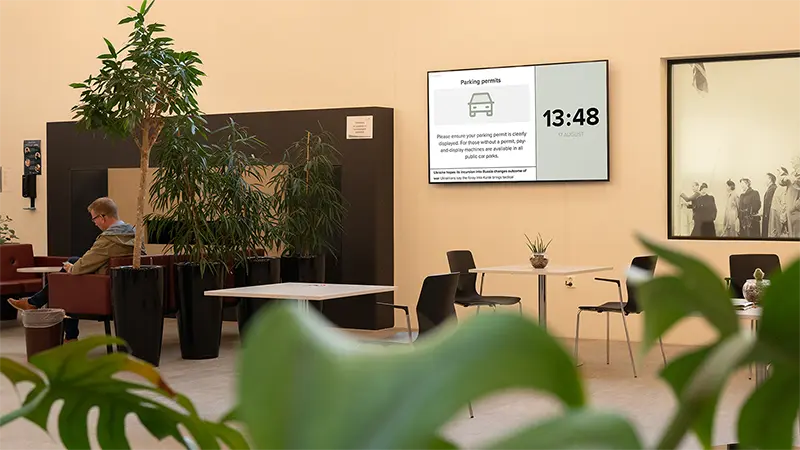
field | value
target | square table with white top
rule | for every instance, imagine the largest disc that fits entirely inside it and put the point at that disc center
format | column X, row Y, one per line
column 302, row 292
column 542, row 274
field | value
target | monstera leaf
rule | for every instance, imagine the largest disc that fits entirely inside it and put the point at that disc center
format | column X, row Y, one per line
column 306, row 385
column 68, row 373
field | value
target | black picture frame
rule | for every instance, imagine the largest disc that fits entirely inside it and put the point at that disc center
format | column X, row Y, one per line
column 748, row 233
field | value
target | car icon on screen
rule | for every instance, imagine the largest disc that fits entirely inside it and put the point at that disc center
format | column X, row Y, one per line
column 481, row 102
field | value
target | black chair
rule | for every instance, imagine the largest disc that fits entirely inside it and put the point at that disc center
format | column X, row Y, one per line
column 742, row 267
column 461, row 261
column 435, row 306
column 645, row 263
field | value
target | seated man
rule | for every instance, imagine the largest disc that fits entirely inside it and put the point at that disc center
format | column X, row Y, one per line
column 117, row 239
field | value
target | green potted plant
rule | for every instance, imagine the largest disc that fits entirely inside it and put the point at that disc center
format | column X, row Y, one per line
column 246, row 219
column 208, row 203
column 538, row 249
column 181, row 195
column 136, row 89
column 7, row 234
column 309, row 207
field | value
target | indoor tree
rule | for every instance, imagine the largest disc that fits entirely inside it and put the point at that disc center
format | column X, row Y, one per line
column 137, row 88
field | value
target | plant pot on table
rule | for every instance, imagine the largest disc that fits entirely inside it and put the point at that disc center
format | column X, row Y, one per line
column 260, row 270
column 137, row 298
column 199, row 316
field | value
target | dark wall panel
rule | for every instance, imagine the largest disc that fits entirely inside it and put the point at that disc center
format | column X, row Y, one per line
column 367, row 183
column 85, row 186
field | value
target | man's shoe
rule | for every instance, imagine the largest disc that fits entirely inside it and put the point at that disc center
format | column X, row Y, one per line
column 70, row 340
column 21, row 304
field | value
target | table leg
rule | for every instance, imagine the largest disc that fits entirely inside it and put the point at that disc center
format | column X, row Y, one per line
column 44, row 280
column 543, row 301
column 761, row 368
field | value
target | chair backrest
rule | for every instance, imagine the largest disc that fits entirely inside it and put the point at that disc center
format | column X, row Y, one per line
column 461, row 262
column 13, row 257
column 648, row 264
column 742, row 267
column 436, row 302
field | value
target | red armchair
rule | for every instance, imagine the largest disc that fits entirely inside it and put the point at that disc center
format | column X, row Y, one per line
column 89, row 296
column 15, row 284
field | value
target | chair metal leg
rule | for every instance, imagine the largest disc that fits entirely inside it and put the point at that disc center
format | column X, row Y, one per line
column 408, row 324
column 608, row 338
column 628, row 339
column 750, row 366
column 663, row 355
column 479, row 310
column 480, row 289
column 577, row 336
column 471, row 414
column 520, row 308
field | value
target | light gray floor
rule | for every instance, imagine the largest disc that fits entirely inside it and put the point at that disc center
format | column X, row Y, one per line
column 646, row 400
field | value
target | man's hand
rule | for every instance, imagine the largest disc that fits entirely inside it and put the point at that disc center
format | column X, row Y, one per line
column 68, row 267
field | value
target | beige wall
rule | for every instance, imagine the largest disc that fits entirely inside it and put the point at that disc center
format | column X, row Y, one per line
column 271, row 55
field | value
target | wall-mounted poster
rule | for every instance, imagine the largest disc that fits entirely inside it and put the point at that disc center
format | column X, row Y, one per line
column 33, row 157
column 734, row 148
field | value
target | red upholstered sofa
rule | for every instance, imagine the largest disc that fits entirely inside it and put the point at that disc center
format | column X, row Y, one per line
column 89, row 296
column 14, row 284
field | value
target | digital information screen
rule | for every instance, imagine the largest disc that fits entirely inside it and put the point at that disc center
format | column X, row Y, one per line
column 533, row 123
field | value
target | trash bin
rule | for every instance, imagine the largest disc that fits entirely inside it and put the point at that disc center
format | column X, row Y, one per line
column 44, row 329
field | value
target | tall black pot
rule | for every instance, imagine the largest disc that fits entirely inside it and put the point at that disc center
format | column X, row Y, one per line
column 137, row 297
column 297, row 269
column 199, row 317
column 260, row 270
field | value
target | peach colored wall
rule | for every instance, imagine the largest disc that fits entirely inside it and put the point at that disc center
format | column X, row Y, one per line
column 271, row 55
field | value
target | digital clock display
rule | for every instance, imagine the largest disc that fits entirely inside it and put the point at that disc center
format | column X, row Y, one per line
column 555, row 117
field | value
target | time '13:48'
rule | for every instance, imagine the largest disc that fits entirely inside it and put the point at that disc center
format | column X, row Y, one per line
column 557, row 117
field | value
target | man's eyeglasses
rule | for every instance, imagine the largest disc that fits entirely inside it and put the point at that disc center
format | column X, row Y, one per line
column 97, row 216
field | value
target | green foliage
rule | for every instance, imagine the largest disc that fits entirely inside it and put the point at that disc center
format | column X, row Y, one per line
column 309, row 208
column 207, row 194
column 82, row 382
column 697, row 378
column 7, row 234
column 138, row 86
column 328, row 390
column 537, row 245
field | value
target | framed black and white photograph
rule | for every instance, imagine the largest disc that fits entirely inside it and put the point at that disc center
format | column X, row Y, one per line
column 734, row 148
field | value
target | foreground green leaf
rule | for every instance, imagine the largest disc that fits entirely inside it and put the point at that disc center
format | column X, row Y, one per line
column 767, row 418
column 322, row 381
column 678, row 374
column 85, row 382
column 696, row 288
column 779, row 328
column 703, row 388
column 576, row 430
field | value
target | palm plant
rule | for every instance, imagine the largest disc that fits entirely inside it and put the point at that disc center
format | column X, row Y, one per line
column 308, row 206
column 137, row 88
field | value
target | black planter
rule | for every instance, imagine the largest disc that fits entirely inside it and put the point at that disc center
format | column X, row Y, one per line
column 303, row 270
column 199, row 317
column 137, row 297
column 260, row 270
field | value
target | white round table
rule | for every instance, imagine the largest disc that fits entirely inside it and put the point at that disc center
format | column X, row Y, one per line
column 42, row 270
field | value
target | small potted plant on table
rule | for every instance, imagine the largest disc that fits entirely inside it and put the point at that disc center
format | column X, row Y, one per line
column 538, row 249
